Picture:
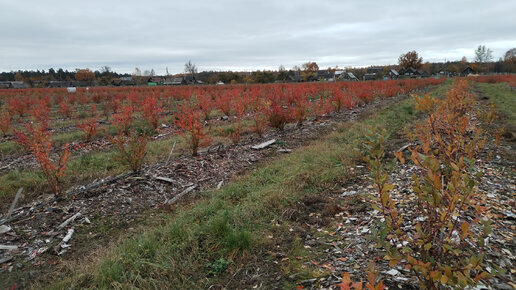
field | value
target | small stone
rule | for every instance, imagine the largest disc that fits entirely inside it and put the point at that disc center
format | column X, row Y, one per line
column 349, row 193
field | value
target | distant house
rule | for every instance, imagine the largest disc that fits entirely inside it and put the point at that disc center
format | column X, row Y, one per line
column 373, row 73
column 127, row 81
column 293, row 77
column 219, row 83
column 77, row 84
column 182, row 80
column 423, row 73
column 413, row 73
column 5, row 85
column 18, row 85
column 338, row 74
column 190, row 80
column 154, row 81
column 448, row 70
column 369, row 77
column 57, row 84
column 325, row 75
column 174, row 81
column 468, row 71
column 374, row 70
column 348, row 76
column 393, row 74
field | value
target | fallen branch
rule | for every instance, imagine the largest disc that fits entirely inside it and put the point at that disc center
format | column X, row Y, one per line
column 100, row 183
column 264, row 144
column 170, row 154
column 15, row 201
column 403, row 148
column 178, row 196
column 69, row 220
column 62, row 244
column 68, row 236
column 8, row 247
column 166, row 179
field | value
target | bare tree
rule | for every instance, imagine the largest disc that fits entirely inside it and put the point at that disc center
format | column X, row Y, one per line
column 190, row 68
column 483, row 54
column 105, row 70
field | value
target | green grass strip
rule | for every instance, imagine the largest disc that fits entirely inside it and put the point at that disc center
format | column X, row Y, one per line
column 503, row 97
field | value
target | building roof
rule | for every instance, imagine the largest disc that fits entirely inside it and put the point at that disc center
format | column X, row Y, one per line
column 468, row 69
column 155, row 80
column 18, row 85
column 324, row 74
column 351, row 75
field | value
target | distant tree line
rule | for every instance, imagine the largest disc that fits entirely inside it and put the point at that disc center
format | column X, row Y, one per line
column 482, row 63
column 104, row 76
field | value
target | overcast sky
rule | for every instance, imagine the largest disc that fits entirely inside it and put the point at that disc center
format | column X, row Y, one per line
column 246, row 35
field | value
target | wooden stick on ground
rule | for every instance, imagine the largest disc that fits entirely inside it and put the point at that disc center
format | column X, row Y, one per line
column 178, row 196
column 14, row 202
column 171, row 151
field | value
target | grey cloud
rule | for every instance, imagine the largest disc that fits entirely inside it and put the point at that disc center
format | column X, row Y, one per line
column 246, row 35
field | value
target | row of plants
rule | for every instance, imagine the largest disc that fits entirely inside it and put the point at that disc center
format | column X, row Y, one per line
column 448, row 241
column 87, row 107
column 267, row 105
column 493, row 79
